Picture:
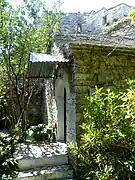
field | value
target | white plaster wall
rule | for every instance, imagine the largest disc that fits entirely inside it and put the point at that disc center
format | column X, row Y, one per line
column 61, row 83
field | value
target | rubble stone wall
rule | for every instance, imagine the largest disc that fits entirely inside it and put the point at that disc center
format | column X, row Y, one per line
column 92, row 22
column 92, row 63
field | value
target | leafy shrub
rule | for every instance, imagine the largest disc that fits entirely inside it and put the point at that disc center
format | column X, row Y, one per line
column 107, row 146
column 8, row 164
column 131, row 14
column 41, row 132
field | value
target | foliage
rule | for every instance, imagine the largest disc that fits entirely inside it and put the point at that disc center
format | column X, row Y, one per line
column 25, row 29
column 28, row 28
column 8, row 164
column 107, row 146
column 131, row 83
column 131, row 14
column 41, row 132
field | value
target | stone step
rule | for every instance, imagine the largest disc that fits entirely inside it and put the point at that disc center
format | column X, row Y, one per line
column 40, row 155
column 47, row 173
column 26, row 164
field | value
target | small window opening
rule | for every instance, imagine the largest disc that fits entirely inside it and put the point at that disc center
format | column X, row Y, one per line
column 104, row 20
column 79, row 28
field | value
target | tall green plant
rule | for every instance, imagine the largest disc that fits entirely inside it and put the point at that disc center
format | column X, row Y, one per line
column 28, row 28
column 107, row 147
column 8, row 163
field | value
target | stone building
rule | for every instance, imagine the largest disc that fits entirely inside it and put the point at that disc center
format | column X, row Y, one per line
column 91, row 61
column 79, row 61
column 54, row 101
column 92, row 22
column 103, row 61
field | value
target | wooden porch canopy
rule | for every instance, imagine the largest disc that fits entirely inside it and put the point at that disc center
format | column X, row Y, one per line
column 43, row 65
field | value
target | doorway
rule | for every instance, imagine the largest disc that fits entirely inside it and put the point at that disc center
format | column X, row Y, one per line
column 65, row 115
column 66, row 130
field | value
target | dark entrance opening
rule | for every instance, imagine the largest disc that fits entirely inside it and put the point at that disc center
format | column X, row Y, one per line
column 65, row 108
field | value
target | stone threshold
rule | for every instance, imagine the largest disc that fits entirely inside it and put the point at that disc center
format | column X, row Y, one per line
column 40, row 150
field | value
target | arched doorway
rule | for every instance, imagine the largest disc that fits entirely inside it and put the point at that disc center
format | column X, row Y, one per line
column 66, row 111
column 62, row 95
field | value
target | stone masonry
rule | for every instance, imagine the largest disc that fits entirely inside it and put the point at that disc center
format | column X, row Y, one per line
column 92, row 22
column 91, row 62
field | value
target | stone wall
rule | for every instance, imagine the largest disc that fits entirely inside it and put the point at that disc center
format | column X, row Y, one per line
column 91, row 22
column 92, row 64
column 50, row 101
column 36, row 104
column 115, row 13
column 122, row 28
column 42, row 106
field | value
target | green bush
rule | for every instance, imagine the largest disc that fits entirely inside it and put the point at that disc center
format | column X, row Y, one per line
column 107, row 146
column 41, row 132
column 8, row 164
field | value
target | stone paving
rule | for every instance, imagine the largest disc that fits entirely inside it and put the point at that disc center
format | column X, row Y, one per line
column 39, row 150
column 41, row 161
